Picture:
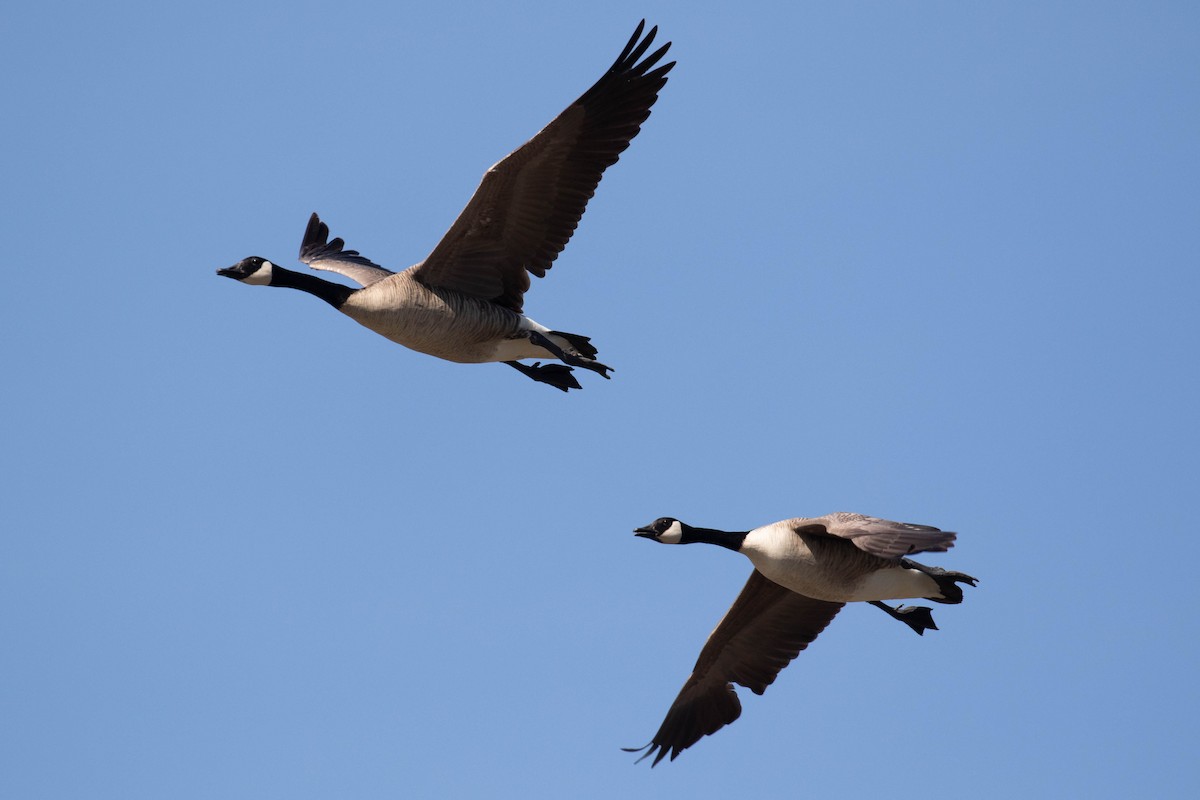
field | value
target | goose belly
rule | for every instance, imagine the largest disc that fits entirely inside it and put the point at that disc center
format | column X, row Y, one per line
column 846, row 582
column 454, row 328
column 807, row 578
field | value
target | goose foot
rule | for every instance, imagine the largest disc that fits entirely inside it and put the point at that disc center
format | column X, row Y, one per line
column 570, row 356
column 557, row 375
column 918, row 618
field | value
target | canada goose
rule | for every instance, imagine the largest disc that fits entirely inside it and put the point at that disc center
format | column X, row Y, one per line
column 464, row 301
column 805, row 570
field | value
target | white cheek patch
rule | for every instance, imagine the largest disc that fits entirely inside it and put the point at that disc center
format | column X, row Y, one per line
column 260, row 276
column 673, row 534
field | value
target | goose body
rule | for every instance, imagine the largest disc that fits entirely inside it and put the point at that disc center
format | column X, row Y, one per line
column 818, row 558
column 805, row 570
column 465, row 301
column 444, row 323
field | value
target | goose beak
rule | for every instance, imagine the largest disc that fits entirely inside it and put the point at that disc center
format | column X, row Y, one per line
column 248, row 268
column 645, row 533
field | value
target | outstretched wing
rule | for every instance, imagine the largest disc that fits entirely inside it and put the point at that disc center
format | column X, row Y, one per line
column 762, row 632
column 879, row 537
column 529, row 203
column 319, row 253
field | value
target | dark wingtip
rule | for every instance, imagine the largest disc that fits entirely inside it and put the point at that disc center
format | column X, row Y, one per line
column 650, row 751
column 316, row 237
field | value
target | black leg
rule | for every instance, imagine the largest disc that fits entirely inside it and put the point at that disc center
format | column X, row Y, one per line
column 557, row 375
column 918, row 618
column 574, row 359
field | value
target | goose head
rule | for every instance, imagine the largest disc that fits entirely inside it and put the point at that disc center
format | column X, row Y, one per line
column 665, row 530
column 254, row 270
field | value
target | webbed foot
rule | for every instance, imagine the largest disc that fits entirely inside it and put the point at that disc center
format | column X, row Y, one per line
column 557, row 375
column 919, row 618
column 572, row 356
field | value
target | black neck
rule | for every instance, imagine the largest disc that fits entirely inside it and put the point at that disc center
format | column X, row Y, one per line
column 333, row 293
column 731, row 540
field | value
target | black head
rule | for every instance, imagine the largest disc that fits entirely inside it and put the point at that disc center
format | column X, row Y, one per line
column 254, row 269
column 666, row 530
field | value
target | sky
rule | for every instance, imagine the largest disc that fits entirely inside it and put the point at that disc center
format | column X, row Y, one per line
column 934, row 262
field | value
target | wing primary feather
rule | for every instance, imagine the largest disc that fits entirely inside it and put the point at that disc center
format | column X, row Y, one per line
column 319, row 252
column 529, row 203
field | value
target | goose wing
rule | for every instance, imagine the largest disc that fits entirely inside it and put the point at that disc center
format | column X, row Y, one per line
column 765, row 628
column 879, row 537
column 528, row 204
column 319, row 253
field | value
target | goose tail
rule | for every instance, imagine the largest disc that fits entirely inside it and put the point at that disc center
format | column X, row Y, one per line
column 947, row 581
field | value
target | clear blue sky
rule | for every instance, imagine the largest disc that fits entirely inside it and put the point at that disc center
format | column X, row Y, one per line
column 935, row 262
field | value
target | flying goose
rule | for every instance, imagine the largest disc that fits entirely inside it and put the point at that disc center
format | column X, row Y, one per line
column 464, row 302
column 805, row 570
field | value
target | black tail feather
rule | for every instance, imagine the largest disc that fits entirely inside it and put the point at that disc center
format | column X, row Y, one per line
column 947, row 581
column 582, row 344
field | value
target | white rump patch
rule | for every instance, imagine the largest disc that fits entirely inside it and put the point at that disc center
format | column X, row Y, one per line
column 896, row 584
column 528, row 324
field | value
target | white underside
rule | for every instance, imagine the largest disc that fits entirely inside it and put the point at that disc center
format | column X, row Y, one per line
column 896, row 584
column 516, row 349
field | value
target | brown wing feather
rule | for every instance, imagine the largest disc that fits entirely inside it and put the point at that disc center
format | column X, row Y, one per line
column 528, row 205
column 879, row 537
column 762, row 632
